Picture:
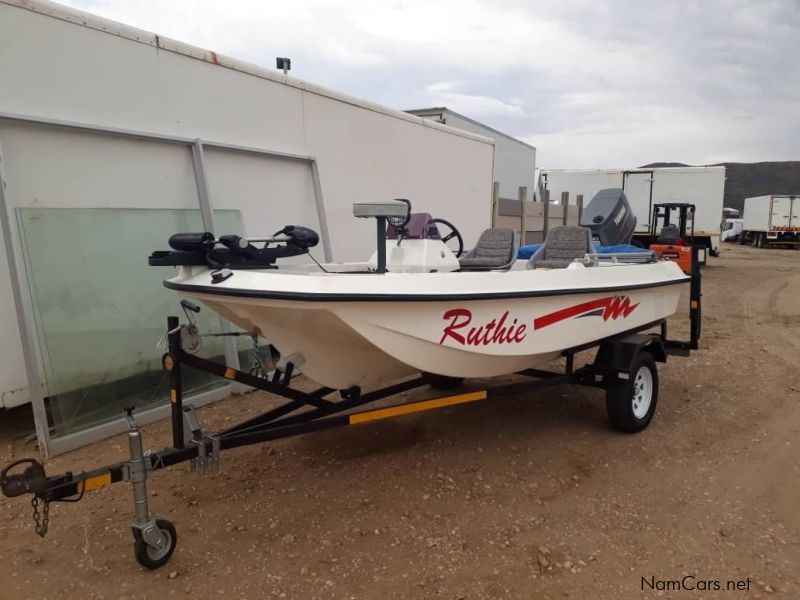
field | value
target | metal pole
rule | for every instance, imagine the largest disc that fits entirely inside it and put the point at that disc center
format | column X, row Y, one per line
column 381, row 244
column 545, row 213
column 207, row 214
column 202, row 186
column 323, row 219
column 522, row 194
column 694, row 299
column 144, row 135
column 495, row 202
column 175, row 382
column 27, row 334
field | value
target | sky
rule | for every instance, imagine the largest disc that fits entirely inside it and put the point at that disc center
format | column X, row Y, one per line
column 590, row 83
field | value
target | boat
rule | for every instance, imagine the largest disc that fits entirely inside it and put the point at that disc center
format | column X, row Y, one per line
column 414, row 306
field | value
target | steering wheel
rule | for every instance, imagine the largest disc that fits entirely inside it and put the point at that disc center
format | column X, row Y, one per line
column 454, row 233
column 397, row 222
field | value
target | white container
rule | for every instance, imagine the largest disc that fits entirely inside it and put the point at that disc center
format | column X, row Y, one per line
column 773, row 219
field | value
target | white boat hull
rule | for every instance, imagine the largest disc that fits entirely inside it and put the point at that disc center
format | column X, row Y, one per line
column 347, row 342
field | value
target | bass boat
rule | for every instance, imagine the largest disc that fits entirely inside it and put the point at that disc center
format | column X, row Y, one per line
column 418, row 305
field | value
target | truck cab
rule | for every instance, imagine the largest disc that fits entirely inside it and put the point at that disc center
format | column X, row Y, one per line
column 731, row 230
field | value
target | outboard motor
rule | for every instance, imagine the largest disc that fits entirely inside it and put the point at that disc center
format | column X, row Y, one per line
column 610, row 218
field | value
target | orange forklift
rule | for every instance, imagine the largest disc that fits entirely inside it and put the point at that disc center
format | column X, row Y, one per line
column 672, row 232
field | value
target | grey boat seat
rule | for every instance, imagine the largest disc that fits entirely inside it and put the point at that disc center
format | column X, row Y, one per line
column 496, row 250
column 562, row 246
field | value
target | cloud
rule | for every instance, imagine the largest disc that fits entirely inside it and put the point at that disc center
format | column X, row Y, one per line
column 612, row 83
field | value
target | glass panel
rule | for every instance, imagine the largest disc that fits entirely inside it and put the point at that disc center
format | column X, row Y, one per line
column 100, row 309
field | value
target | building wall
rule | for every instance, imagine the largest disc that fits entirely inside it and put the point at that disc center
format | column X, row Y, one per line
column 58, row 63
column 514, row 161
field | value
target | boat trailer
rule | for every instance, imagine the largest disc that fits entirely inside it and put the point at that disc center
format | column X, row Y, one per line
column 617, row 366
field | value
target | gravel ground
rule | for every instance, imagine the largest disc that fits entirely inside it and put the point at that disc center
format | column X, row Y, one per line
column 522, row 497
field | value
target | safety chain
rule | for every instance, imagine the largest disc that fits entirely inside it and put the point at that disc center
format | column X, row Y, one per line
column 43, row 521
column 258, row 359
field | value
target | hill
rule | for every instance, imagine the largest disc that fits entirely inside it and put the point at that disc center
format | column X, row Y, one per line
column 744, row 180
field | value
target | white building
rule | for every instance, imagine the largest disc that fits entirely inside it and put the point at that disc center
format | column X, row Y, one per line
column 514, row 160
column 111, row 138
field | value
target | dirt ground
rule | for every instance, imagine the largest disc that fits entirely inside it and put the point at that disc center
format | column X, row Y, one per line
column 522, row 497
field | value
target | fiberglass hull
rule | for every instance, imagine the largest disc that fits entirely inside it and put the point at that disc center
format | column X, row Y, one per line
column 363, row 329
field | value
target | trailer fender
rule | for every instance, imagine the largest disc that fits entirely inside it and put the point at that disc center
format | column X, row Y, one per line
column 617, row 356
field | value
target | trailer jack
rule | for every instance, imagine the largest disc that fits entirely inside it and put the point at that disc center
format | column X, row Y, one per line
column 154, row 539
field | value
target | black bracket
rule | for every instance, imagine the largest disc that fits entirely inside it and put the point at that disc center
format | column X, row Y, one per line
column 32, row 480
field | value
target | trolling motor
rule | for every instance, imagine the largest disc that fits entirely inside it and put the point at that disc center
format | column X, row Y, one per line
column 233, row 251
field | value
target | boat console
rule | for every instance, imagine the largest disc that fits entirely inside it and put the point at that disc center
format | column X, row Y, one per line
column 409, row 242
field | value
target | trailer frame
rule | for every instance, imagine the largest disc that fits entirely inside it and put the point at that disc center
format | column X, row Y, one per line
column 613, row 367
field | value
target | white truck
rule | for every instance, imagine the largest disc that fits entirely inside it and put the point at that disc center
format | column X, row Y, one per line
column 771, row 220
column 731, row 230
column 702, row 186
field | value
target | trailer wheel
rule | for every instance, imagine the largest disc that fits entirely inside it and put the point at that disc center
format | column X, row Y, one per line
column 152, row 558
column 631, row 402
column 442, row 382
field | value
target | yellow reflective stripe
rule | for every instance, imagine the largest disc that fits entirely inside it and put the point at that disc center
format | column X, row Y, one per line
column 693, row 304
column 173, row 396
column 230, row 373
column 95, row 483
column 405, row 409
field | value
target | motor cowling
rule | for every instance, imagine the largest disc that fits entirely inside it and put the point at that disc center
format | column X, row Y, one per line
column 191, row 242
column 609, row 217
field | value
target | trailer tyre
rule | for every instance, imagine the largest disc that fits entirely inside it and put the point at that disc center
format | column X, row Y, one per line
column 153, row 558
column 631, row 403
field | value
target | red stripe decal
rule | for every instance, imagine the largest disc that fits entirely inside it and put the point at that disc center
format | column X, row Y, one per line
column 613, row 308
